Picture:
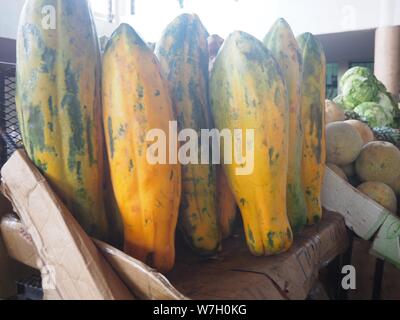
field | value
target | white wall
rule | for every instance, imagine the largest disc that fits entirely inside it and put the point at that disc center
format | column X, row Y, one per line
column 256, row 16
column 253, row 16
column 9, row 16
column 9, row 13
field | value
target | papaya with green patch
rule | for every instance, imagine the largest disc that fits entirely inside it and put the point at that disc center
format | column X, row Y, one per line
column 147, row 191
column 183, row 54
column 59, row 106
column 282, row 44
column 313, row 123
column 248, row 92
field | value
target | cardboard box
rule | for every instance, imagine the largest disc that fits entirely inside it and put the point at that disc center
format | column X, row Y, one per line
column 143, row 281
column 362, row 215
column 387, row 242
column 70, row 263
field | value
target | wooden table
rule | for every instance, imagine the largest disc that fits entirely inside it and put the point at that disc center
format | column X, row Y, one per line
column 236, row 274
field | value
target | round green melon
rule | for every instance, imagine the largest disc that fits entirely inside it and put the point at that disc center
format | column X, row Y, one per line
column 366, row 133
column 381, row 193
column 333, row 112
column 378, row 161
column 343, row 143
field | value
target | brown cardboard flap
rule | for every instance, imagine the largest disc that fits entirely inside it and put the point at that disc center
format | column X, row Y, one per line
column 18, row 241
column 144, row 282
column 74, row 266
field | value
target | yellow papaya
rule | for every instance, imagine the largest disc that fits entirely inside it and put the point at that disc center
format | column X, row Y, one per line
column 183, row 54
column 136, row 100
column 58, row 102
column 313, row 123
column 248, row 93
column 282, row 43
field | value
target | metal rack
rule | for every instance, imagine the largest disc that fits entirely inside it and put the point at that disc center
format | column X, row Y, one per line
column 9, row 129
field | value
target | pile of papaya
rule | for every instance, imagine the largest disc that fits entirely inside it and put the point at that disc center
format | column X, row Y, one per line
column 86, row 117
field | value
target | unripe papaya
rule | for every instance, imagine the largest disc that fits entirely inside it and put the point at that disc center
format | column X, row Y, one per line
column 313, row 122
column 282, row 43
column 183, row 54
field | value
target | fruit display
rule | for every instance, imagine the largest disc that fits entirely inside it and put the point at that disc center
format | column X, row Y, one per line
column 370, row 165
column 149, row 210
column 283, row 45
column 89, row 119
column 59, row 106
column 313, row 122
column 248, row 92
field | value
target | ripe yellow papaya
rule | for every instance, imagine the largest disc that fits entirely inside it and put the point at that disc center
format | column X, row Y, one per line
column 282, row 43
column 313, row 123
column 183, row 54
column 248, row 92
column 136, row 100
column 58, row 102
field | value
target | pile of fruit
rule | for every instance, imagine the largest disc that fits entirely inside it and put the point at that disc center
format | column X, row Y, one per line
column 85, row 120
column 355, row 154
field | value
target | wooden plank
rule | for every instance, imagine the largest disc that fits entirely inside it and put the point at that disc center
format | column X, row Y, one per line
column 362, row 215
column 143, row 281
column 289, row 275
column 233, row 274
column 69, row 255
